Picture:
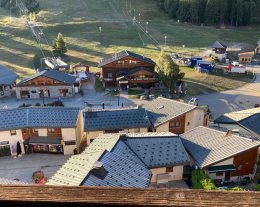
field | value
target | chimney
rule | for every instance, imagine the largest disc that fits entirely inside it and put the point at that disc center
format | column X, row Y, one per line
column 98, row 170
column 229, row 133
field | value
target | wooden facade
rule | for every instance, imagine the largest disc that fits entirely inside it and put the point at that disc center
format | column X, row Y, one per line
column 36, row 195
column 112, row 70
column 245, row 162
column 177, row 125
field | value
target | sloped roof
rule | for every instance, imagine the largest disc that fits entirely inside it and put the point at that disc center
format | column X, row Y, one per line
column 161, row 110
column 38, row 117
column 116, row 119
column 4, row 181
column 208, row 146
column 7, row 76
column 246, row 54
column 52, row 74
column 123, row 54
column 219, row 45
column 237, row 116
column 123, row 165
column 159, row 151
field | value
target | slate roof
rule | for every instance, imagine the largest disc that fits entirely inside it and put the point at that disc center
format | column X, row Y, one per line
column 218, row 45
column 53, row 74
column 7, row 76
column 123, row 54
column 208, row 146
column 38, row 117
column 159, row 151
column 124, row 165
column 116, row 119
column 161, row 110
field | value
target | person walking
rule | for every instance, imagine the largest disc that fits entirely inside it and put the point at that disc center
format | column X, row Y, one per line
column 18, row 149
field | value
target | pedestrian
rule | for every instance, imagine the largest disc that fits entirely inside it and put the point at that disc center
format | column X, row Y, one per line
column 19, row 149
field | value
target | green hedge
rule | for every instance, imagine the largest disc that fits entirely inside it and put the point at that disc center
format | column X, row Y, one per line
column 200, row 180
column 257, row 187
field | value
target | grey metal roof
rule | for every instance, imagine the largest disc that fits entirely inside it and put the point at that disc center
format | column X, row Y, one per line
column 252, row 123
column 218, row 44
column 124, row 166
column 123, row 54
column 116, row 119
column 7, row 76
column 208, row 146
column 159, row 151
column 38, row 117
column 161, row 110
column 121, row 172
column 53, row 74
column 4, row 181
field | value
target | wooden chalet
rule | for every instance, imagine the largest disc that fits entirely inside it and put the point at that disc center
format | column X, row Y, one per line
column 48, row 83
column 127, row 69
column 219, row 48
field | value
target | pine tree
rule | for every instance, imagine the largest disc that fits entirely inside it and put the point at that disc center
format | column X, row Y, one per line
column 169, row 71
column 59, row 47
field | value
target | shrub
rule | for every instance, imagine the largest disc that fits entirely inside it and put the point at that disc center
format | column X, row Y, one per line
column 134, row 97
column 257, row 187
column 37, row 104
column 135, row 91
column 236, row 189
column 200, row 180
column 99, row 85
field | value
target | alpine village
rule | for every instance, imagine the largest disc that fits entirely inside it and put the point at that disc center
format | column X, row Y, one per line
column 130, row 103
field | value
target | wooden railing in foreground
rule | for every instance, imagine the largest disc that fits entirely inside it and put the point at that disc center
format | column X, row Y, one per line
column 25, row 196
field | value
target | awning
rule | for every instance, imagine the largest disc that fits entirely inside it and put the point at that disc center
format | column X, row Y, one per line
column 221, row 168
column 45, row 140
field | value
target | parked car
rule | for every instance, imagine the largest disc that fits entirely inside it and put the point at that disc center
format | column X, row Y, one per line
column 194, row 101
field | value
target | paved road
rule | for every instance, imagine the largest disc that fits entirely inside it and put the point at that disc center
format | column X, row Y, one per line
column 233, row 100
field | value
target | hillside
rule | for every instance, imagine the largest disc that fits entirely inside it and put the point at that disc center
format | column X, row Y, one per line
column 79, row 23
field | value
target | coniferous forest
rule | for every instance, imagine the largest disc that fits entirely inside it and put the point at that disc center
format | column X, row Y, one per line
column 211, row 12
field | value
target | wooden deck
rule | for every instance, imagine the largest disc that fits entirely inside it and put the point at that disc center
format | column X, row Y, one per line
column 100, row 196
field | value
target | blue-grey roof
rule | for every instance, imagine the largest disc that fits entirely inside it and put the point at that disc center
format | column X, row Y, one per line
column 53, row 74
column 123, row 54
column 121, row 172
column 7, row 76
column 252, row 123
column 38, row 117
column 116, row 119
column 159, row 151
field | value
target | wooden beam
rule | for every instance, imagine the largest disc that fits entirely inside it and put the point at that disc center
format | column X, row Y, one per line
column 103, row 196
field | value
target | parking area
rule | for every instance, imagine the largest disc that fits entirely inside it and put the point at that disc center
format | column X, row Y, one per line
column 22, row 168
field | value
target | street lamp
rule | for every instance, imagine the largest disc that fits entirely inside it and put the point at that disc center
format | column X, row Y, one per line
column 146, row 28
column 139, row 17
column 165, row 39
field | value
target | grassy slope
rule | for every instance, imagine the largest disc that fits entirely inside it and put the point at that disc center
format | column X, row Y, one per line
column 79, row 22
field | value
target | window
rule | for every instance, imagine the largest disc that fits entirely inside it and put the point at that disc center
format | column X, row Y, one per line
column 35, row 130
column 174, row 124
column 13, row 132
column 51, row 130
column 91, row 140
column 109, row 75
column 24, row 130
column 169, row 169
column 137, row 130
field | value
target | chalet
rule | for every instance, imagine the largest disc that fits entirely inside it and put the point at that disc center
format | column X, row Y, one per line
column 126, row 160
column 224, row 156
column 245, row 122
column 219, row 48
column 40, row 129
column 173, row 116
column 127, row 69
column 48, row 83
column 130, row 120
column 252, row 57
column 7, row 81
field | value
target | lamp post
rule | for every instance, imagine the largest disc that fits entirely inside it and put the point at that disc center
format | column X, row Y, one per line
column 165, row 39
column 146, row 28
column 139, row 17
